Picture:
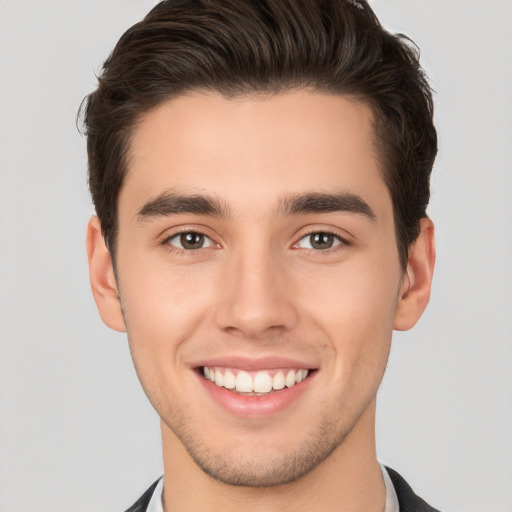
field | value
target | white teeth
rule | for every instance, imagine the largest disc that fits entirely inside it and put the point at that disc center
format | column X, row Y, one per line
column 262, row 382
column 229, row 380
column 278, row 380
column 301, row 375
column 219, row 378
column 290, row 379
column 244, row 382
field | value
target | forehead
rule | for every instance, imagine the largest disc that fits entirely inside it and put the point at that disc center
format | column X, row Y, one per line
column 254, row 148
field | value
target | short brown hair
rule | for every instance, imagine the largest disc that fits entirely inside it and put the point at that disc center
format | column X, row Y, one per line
column 239, row 47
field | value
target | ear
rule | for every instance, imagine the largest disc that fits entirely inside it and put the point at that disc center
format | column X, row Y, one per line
column 103, row 281
column 415, row 289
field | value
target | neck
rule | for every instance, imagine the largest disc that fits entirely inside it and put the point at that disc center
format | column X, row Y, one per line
column 348, row 479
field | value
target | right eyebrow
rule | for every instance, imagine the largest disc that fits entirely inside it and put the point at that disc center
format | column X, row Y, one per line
column 170, row 203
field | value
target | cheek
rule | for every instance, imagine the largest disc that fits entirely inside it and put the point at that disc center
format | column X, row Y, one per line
column 355, row 311
column 162, row 304
column 353, row 296
column 162, row 311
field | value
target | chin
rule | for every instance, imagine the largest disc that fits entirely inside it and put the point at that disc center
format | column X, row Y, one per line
column 261, row 464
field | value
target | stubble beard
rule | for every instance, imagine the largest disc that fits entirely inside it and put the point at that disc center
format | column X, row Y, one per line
column 269, row 469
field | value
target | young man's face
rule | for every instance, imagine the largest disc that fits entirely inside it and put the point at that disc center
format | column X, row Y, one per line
column 257, row 245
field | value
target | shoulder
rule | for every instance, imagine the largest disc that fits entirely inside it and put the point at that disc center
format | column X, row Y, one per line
column 407, row 499
column 142, row 503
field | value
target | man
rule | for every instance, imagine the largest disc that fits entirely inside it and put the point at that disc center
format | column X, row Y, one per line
column 260, row 171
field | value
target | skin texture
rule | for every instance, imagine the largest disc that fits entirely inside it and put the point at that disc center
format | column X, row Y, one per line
column 257, row 289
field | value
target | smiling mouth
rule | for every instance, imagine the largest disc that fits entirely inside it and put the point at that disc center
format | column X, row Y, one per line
column 257, row 383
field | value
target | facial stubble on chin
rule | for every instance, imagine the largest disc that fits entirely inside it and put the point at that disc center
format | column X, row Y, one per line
column 266, row 470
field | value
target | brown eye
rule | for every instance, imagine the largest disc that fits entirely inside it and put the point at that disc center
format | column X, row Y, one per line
column 190, row 241
column 320, row 241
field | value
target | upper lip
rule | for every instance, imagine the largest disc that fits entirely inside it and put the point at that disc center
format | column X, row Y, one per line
column 254, row 363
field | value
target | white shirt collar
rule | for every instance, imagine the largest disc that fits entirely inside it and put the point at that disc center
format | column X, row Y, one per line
column 391, row 497
column 156, row 503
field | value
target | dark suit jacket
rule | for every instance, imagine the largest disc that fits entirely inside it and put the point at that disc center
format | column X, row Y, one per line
column 407, row 500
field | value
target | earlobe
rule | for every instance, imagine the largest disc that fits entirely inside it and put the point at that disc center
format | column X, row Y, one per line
column 415, row 289
column 102, row 278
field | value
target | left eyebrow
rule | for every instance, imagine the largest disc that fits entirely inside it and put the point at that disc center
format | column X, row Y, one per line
column 315, row 202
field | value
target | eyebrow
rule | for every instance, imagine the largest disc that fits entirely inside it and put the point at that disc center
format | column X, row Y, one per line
column 170, row 203
column 315, row 202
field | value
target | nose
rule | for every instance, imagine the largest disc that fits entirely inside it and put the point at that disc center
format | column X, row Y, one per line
column 256, row 297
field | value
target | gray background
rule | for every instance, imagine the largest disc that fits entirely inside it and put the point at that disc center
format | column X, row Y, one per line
column 76, row 432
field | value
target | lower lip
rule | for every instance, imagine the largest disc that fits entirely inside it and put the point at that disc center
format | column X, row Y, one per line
column 255, row 406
